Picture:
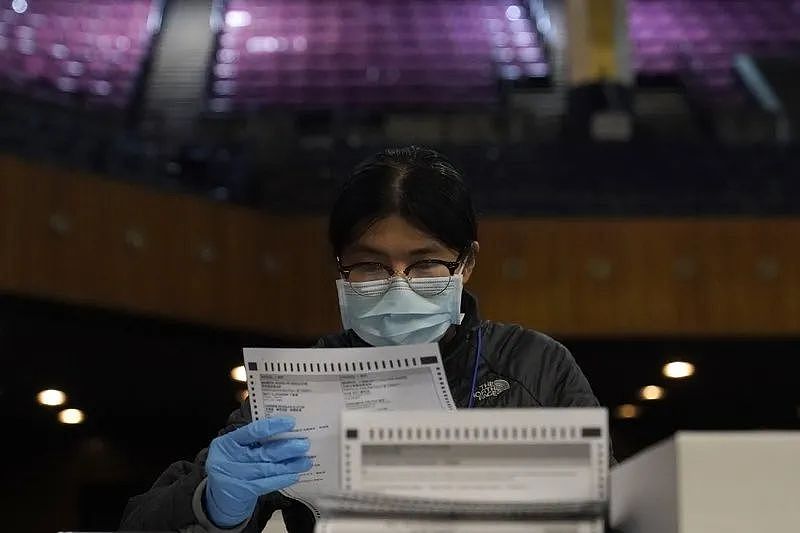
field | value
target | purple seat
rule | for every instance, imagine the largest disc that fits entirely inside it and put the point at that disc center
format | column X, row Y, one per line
column 321, row 52
column 669, row 36
column 95, row 47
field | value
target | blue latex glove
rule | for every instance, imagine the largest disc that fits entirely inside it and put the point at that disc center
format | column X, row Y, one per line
column 243, row 465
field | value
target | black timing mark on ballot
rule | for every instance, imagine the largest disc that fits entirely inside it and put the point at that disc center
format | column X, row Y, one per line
column 340, row 367
column 591, row 432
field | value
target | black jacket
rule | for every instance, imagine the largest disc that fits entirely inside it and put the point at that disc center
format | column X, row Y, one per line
column 518, row 368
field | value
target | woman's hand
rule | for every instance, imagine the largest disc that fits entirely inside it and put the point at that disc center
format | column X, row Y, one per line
column 243, row 465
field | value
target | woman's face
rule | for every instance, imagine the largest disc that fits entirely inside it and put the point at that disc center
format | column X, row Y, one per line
column 396, row 243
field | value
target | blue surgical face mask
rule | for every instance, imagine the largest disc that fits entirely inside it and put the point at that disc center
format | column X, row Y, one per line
column 400, row 316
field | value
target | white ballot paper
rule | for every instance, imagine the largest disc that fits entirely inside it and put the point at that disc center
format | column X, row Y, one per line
column 505, row 456
column 315, row 385
column 448, row 525
column 535, row 470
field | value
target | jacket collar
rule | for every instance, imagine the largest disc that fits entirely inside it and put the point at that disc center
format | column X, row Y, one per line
column 469, row 306
column 459, row 336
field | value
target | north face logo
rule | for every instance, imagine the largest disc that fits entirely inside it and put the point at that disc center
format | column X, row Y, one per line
column 491, row 388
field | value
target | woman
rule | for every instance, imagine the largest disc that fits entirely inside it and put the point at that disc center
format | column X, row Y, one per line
column 405, row 238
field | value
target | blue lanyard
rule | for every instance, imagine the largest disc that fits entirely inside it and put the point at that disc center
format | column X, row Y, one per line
column 475, row 367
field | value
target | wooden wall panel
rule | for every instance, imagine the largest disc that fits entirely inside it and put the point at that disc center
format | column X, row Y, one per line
column 87, row 240
column 643, row 277
column 7, row 215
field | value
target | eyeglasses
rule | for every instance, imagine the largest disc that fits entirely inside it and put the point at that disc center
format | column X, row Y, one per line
column 428, row 277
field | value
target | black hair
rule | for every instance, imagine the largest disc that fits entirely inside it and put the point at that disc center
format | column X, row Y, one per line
column 419, row 184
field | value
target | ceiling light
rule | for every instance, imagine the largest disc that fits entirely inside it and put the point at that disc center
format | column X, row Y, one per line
column 51, row 397
column 19, row 6
column 239, row 374
column 651, row 392
column 71, row 416
column 513, row 13
column 678, row 369
column 238, row 19
column 627, row 410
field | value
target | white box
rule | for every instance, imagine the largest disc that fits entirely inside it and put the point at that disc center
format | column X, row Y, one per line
column 709, row 482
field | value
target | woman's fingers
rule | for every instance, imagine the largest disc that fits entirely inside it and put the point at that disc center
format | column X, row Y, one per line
column 259, row 430
column 256, row 471
column 273, row 451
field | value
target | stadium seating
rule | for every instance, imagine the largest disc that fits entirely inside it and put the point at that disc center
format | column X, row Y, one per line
column 87, row 49
column 698, row 39
column 322, row 53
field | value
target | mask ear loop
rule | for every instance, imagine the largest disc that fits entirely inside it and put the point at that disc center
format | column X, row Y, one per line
column 475, row 367
column 467, row 256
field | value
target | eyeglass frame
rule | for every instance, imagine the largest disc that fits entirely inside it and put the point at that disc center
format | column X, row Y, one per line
column 450, row 265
